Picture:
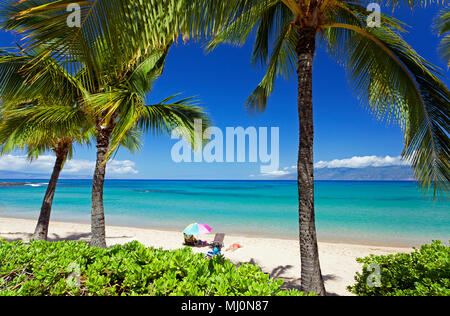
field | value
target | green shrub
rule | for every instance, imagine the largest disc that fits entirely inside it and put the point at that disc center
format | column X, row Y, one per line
column 74, row 268
column 425, row 272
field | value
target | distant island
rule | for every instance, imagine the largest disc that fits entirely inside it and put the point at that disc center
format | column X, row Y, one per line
column 389, row 173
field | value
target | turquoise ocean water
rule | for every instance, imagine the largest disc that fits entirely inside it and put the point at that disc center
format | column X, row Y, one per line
column 391, row 213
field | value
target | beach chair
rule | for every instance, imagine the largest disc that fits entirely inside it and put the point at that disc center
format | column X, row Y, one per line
column 218, row 241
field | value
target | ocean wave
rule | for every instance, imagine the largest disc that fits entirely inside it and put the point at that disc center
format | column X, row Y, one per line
column 36, row 185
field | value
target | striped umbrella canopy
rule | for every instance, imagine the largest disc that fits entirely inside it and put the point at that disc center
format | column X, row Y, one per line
column 197, row 229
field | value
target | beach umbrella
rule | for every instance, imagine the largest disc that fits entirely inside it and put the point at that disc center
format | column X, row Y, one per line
column 197, row 229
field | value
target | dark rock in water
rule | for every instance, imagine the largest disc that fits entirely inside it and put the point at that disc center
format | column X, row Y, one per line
column 12, row 184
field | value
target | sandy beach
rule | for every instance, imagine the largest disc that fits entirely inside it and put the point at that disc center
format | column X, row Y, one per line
column 278, row 257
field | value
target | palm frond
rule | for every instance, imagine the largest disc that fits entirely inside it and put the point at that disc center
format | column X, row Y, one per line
column 271, row 19
column 238, row 30
column 170, row 115
column 282, row 62
column 396, row 84
column 442, row 24
column 38, row 129
column 158, row 119
column 132, row 141
column 146, row 70
column 45, row 81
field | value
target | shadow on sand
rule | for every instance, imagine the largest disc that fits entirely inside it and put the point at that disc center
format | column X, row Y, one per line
column 289, row 282
column 25, row 237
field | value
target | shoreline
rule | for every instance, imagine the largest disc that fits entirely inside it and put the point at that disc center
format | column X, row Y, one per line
column 278, row 257
column 174, row 230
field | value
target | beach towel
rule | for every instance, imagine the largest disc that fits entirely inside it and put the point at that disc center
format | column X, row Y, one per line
column 234, row 247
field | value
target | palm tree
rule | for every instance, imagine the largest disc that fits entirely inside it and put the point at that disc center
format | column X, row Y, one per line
column 44, row 113
column 121, row 107
column 387, row 74
column 24, row 105
column 117, row 60
column 443, row 26
column 22, row 129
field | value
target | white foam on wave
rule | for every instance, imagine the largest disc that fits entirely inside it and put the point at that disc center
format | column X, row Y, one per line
column 36, row 185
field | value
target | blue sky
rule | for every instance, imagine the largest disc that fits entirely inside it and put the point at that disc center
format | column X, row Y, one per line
column 224, row 79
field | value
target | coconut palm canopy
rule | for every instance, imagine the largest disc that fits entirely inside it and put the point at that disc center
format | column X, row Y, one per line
column 27, row 100
column 44, row 106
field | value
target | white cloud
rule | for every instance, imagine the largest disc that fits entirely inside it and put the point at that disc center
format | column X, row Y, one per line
column 362, row 162
column 122, row 167
column 354, row 162
column 80, row 167
column 276, row 173
column 20, row 163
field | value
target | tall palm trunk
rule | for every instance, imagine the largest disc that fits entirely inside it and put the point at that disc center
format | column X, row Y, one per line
column 98, row 238
column 311, row 276
column 41, row 231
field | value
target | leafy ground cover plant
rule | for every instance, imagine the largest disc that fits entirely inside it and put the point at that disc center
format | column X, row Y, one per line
column 75, row 268
column 424, row 272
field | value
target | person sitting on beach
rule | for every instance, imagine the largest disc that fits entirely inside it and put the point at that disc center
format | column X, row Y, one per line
column 190, row 240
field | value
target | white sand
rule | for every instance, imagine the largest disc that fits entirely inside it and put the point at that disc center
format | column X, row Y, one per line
column 278, row 257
